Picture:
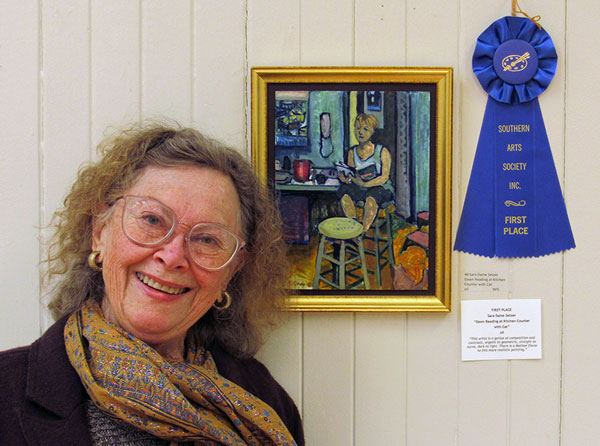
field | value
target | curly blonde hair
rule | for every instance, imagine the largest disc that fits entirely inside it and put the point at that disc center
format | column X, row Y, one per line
column 256, row 288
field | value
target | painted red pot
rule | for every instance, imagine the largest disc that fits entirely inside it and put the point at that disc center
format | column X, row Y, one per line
column 301, row 170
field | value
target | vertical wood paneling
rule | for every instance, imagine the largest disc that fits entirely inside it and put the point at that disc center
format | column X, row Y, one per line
column 535, row 385
column 273, row 33
column 219, row 65
column 277, row 43
column 166, row 75
column 432, row 339
column 65, row 102
column 327, row 33
column 380, row 379
column 65, row 97
column 432, row 348
column 115, row 65
column 581, row 364
column 482, row 386
column 380, row 33
column 328, row 400
column 19, row 184
column 432, row 33
column 282, row 354
column 483, row 408
column 380, row 339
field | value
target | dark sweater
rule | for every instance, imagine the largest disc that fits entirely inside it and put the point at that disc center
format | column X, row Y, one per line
column 42, row 400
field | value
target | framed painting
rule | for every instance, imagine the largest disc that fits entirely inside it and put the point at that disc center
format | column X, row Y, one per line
column 359, row 160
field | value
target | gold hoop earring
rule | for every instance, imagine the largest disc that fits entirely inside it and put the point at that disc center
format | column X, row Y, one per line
column 227, row 302
column 92, row 261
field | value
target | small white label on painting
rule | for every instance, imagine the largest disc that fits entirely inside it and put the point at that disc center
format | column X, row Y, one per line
column 501, row 329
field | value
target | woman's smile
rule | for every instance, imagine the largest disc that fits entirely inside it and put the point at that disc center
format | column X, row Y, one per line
column 157, row 284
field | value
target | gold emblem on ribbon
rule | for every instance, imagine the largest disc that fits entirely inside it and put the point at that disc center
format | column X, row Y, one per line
column 515, row 63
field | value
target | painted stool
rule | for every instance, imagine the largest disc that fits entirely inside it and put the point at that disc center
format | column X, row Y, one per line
column 380, row 233
column 341, row 245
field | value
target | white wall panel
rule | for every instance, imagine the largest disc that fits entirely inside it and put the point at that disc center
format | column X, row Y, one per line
column 534, row 398
column 483, row 406
column 431, row 33
column 483, row 387
column 327, row 33
column 166, row 79
column 115, row 65
column 380, row 382
column 282, row 353
column 432, row 396
column 380, row 33
column 19, row 167
column 273, row 33
column 219, row 71
column 328, row 394
column 432, row 343
column 65, row 97
column 65, row 103
column 580, row 360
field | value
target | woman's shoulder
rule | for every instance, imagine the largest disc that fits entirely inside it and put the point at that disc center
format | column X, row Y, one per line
column 13, row 385
column 42, row 395
column 13, row 369
column 40, row 370
column 13, row 356
column 13, row 374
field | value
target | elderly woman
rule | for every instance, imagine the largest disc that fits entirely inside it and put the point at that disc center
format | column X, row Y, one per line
column 170, row 262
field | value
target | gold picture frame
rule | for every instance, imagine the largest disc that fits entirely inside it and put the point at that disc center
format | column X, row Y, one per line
column 313, row 128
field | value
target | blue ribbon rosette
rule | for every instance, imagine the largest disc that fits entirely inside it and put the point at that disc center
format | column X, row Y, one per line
column 514, row 205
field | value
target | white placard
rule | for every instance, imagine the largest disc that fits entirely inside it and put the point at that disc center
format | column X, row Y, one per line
column 501, row 329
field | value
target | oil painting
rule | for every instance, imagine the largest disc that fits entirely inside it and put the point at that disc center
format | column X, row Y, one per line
column 359, row 163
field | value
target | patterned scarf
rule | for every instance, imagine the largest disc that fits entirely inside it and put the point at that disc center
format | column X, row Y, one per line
column 184, row 401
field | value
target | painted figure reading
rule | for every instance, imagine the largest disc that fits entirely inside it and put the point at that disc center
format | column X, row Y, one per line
column 370, row 181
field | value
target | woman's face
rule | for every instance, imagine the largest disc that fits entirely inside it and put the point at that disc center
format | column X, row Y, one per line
column 196, row 195
column 363, row 131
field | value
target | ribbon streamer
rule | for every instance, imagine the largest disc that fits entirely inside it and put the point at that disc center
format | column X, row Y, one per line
column 514, row 205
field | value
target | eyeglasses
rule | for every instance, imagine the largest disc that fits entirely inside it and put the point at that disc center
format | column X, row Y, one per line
column 148, row 222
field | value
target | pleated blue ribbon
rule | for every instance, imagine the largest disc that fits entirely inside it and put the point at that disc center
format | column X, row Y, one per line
column 514, row 205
